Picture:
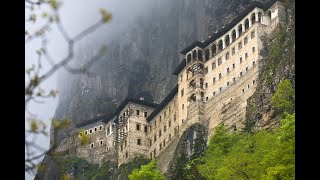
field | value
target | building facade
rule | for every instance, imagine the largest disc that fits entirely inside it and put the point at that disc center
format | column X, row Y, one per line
column 214, row 81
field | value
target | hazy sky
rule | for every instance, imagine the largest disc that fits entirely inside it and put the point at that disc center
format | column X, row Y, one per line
column 77, row 15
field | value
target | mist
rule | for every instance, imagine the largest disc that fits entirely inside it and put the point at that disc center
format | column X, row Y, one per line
column 76, row 16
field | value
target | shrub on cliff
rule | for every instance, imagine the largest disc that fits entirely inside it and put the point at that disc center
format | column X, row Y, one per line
column 147, row 172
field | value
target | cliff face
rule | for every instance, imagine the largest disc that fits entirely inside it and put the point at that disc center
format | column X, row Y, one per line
column 141, row 60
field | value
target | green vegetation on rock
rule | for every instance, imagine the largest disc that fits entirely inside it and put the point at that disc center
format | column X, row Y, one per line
column 147, row 172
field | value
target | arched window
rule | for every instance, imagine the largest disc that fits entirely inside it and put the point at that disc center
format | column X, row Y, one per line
column 240, row 29
column 207, row 54
column 234, row 35
column 269, row 14
column 246, row 24
column 220, row 46
column 194, row 55
column 200, row 55
column 227, row 40
column 188, row 58
column 260, row 17
column 214, row 50
column 253, row 18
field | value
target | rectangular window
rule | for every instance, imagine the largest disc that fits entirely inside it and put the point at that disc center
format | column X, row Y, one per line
column 220, row 76
column 240, row 45
column 101, row 142
column 139, row 142
column 233, row 51
column 220, row 89
column 165, row 114
column 155, row 138
column 246, row 56
column 164, row 128
column 100, row 127
column 138, row 127
column 126, row 155
column 227, row 55
column 154, row 153
column 228, row 70
column 214, row 93
column 145, row 114
column 121, row 148
column 213, row 65
column 164, row 142
column 86, row 132
column 138, row 112
column 90, row 131
column 253, row 63
column 182, row 106
column 247, row 69
column 95, row 129
column 182, row 92
column 233, row 65
column 169, row 136
column 145, row 129
column 219, row 61
column 242, row 90
column 234, row 79
column 206, row 85
column 169, row 123
column 174, row 117
column 206, row 70
column 150, row 141
column 253, row 49
column 252, row 34
column 125, row 143
column 240, row 60
column 253, row 81
column 160, row 133
column 150, row 128
column 245, row 40
column 240, row 73
column 155, row 124
column 160, row 146
column 92, row 145
column 214, row 80
column 207, row 98
column 81, row 134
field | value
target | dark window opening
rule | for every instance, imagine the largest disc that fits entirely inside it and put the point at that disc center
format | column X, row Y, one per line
column 240, row 29
column 234, row 35
column 214, row 50
column 139, row 142
column 194, row 55
column 138, row 127
column 220, row 46
column 207, row 54
column 200, row 55
column 188, row 58
column 138, row 112
column 233, row 65
column 246, row 24
column 219, row 61
column 145, row 114
column 145, row 129
column 227, row 40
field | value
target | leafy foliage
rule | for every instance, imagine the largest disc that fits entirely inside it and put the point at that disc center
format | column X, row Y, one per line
column 263, row 155
column 126, row 169
column 283, row 98
column 147, row 172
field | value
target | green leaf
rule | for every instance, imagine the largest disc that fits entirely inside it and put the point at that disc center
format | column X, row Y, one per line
column 106, row 16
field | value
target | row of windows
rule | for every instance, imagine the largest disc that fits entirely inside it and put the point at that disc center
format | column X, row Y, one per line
column 233, row 80
column 92, row 144
column 162, row 144
column 90, row 131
